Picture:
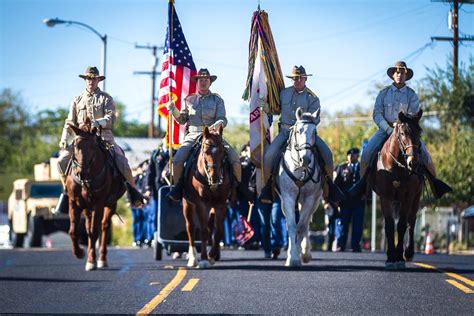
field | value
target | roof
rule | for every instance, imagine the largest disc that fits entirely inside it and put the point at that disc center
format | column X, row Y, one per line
column 468, row 212
column 137, row 149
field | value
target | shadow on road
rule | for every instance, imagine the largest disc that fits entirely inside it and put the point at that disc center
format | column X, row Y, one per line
column 22, row 279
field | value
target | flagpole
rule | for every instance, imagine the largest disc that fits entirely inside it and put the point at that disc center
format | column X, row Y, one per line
column 170, row 113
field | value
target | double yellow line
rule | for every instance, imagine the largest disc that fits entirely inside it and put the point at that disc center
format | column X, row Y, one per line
column 454, row 283
column 179, row 277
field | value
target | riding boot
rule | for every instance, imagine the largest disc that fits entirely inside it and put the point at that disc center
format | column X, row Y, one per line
column 335, row 194
column 137, row 199
column 176, row 192
column 359, row 189
column 266, row 196
column 63, row 205
column 438, row 187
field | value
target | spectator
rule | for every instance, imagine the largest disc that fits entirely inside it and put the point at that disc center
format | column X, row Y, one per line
column 351, row 208
column 332, row 220
column 139, row 220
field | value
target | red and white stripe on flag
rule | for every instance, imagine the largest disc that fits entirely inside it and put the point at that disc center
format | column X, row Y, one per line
column 177, row 68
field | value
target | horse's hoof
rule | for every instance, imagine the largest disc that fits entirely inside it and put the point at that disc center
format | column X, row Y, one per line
column 293, row 263
column 212, row 261
column 306, row 258
column 90, row 266
column 400, row 265
column 203, row 264
column 390, row 266
column 408, row 257
column 79, row 253
column 102, row 264
column 192, row 263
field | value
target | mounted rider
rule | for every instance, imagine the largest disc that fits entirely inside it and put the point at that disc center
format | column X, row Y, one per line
column 200, row 109
column 99, row 108
column 299, row 95
column 390, row 101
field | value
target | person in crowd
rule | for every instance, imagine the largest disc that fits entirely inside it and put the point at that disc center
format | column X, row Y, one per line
column 351, row 208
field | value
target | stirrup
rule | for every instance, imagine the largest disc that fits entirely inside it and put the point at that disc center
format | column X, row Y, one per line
column 176, row 192
column 266, row 196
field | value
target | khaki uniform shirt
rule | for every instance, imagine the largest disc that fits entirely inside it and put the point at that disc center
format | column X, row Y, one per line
column 291, row 100
column 390, row 101
column 94, row 105
column 201, row 110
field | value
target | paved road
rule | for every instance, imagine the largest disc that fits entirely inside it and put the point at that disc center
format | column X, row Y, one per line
column 52, row 281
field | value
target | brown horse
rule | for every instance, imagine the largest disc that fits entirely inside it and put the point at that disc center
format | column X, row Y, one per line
column 397, row 177
column 206, row 191
column 93, row 189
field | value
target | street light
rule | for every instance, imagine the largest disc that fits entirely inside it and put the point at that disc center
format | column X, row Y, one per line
column 53, row 22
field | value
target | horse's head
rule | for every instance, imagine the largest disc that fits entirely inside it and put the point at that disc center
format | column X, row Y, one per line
column 408, row 133
column 304, row 136
column 212, row 152
column 85, row 143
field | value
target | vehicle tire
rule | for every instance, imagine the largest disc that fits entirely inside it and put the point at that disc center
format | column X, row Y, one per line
column 17, row 240
column 35, row 231
column 158, row 250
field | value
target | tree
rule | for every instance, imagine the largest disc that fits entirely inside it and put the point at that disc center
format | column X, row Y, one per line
column 450, row 134
column 123, row 127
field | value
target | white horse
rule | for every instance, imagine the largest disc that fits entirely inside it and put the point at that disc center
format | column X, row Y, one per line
column 299, row 183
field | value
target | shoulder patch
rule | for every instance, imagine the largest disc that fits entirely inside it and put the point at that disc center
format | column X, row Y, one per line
column 311, row 93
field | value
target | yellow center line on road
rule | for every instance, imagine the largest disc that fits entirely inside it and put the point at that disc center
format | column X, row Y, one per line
column 463, row 288
column 461, row 278
column 150, row 306
column 454, row 283
column 190, row 285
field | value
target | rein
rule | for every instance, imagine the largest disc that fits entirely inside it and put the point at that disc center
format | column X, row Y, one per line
column 403, row 149
column 87, row 183
column 207, row 179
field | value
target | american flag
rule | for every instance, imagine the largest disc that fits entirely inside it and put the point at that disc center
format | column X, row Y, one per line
column 176, row 72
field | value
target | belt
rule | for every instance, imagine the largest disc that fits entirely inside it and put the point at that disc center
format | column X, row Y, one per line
column 194, row 129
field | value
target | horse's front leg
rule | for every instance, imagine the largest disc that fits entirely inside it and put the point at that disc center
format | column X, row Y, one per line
column 302, row 229
column 188, row 210
column 288, row 208
column 401, row 230
column 410, row 250
column 219, row 217
column 74, row 220
column 201, row 211
column 389, row 233
column 95, row 219
column 104, row 236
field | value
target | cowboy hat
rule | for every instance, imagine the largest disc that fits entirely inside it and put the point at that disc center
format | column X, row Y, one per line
column 298, row 72
column 92, row 72
column 399, row 65
column 203, row 73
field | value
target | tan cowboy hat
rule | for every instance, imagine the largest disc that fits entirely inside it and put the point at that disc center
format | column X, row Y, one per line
column 399, row 65
column 203, row 73
column 92, row 72
column 298, row 72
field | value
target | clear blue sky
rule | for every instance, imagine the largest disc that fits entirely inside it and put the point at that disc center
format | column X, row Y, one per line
column 346, row 45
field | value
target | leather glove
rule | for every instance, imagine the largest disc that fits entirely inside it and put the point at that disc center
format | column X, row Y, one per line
column 102, row 122
column 170, row 106
column 62, row 144
column 262, row 104
column 217, row 124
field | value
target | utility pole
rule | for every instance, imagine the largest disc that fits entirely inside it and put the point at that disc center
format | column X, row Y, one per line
column 152, row 132
column 454, row 25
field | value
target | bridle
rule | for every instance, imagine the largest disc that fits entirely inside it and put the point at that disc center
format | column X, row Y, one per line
column 308, row 171
column 208, row 167
column 403, row 148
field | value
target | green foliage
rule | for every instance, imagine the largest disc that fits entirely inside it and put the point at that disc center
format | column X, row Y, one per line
column 237, row 135
column 449, row 135
column 123, row 128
